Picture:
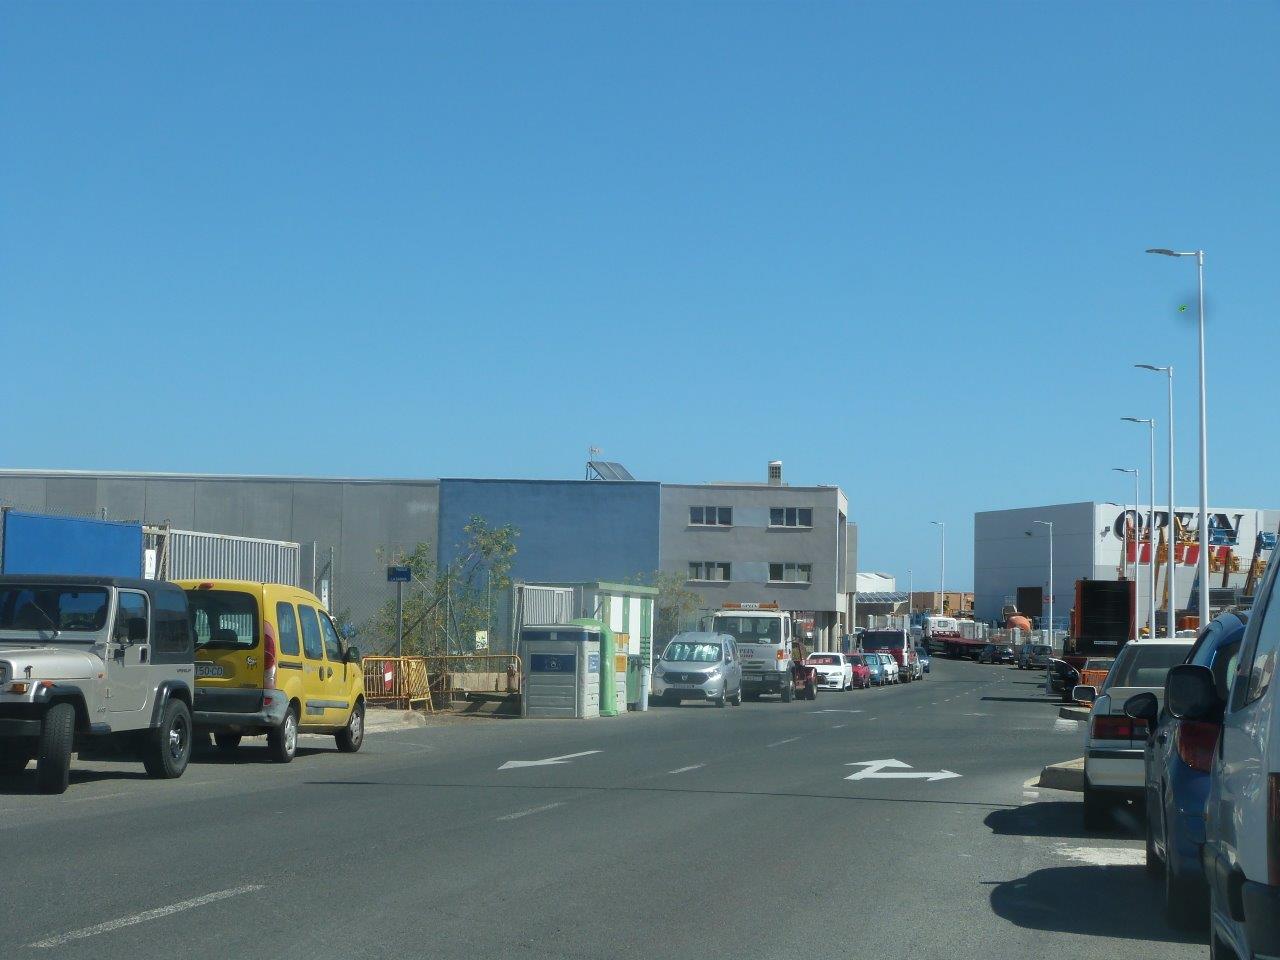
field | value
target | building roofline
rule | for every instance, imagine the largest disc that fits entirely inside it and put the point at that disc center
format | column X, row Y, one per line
column 163, row 475
column 721, row 485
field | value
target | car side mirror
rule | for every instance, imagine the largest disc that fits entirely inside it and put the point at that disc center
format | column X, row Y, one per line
column 1084, row 693
column 1142, row 706
column 1190, row 693
column 137, row 629
column 353, row 655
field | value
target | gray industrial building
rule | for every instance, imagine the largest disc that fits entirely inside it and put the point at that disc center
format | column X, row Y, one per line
column 768, row 542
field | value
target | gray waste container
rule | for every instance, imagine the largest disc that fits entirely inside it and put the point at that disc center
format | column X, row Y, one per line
column 561, row 672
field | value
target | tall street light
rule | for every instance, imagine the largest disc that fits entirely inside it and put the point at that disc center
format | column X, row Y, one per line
column 1171, row 582
column 1134, row 471
column 1151, row 520
column 1202, row 570
column 1049, row 524
column 942, row 577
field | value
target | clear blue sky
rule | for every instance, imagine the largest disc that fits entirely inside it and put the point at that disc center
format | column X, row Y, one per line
column 898, row 245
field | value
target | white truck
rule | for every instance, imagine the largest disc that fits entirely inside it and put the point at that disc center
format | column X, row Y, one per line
column 764, row 635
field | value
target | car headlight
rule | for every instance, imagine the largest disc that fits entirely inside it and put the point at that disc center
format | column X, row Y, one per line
column 658, row 673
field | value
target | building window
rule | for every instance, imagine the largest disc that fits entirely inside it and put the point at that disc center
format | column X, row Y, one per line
column 709, row 570
column 790, row 572
column 711, row 516
column 791, row 517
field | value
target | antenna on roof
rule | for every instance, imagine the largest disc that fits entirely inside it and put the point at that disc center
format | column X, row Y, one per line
column 593, row 454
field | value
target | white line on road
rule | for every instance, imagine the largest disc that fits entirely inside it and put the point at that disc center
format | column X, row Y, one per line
column 143, row 917
column 839, row 726
column 695, row 766
column 781, row 742
column 524, row 813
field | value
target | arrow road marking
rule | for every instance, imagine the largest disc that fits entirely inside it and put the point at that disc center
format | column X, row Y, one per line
column 550, row 761
column 876, row 770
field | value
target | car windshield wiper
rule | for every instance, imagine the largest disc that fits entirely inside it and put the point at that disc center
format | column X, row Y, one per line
column 53, row 625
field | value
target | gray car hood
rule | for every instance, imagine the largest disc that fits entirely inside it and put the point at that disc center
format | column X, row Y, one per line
column 48, row 661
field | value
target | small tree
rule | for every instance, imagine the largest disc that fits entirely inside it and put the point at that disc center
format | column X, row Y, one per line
column 673, row 606
column 445, row 606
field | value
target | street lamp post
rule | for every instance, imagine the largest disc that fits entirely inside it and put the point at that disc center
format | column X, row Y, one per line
column 910, row 596
column 1202, row 571
column 1049, row 524
column 1151, row 520
column 1171, row 582
column 1136, row 512
column 942, row 576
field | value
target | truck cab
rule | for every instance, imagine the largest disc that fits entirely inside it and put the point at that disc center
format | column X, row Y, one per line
column 764, row 635
column 93, row 664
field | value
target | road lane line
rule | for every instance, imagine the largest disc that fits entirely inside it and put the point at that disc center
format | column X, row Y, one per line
column 695, row 766
column 839, row 726
column 781, row 742
column 524, row 813
column 143, row 917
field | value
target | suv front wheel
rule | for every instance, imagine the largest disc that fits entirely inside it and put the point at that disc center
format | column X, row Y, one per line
column 168, row 747
column 53, row 756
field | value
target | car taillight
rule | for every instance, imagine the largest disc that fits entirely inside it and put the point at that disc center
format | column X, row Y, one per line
column 1273, row 830
column 1107, row 727
column 1196, row 742
column 268, row 657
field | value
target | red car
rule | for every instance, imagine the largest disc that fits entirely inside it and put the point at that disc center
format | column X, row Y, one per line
column 861, row 672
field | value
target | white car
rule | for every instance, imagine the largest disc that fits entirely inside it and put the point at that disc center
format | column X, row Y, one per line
column 1114, row 768
column 1241, row 854
column 892, row 673
column 835, row 672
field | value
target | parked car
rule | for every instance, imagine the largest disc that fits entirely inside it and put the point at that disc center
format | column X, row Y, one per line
column 896, row 643
column 1113, row 760
column 269, row 661
column 1242, row 816
column 1178, row 757
column 835, row 672
column 699, row 666
column 1034, row 656
column 90, row 664
column 925, row 658
column 892, row 672
column 861, row 669
column 876, row 671
column 995, row 653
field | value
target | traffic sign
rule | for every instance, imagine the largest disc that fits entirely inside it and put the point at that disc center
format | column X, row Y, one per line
column 399, row 574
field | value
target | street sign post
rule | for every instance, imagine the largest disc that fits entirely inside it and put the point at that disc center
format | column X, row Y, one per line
column 399, row 575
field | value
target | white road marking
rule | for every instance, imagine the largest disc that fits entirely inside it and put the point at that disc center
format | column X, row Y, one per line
column 839, row 726
column 1031, row 793
column 876, row 770
column 1103, row 856
column 143, row 917
column 835, row 710
column 1063, row 725
column 781, row 742
column 548, row 762
column 524, row 813
column 695, row 766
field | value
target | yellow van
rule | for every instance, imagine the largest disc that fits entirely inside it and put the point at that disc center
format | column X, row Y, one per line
column 270, row 661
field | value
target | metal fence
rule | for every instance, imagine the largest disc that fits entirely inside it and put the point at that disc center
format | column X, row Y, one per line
column 192, row 554
column 432, row 681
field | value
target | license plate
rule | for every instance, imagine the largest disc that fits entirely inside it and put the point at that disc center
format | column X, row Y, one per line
column 210, row 670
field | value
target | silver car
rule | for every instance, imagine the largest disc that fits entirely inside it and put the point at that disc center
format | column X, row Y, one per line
column 699, row 666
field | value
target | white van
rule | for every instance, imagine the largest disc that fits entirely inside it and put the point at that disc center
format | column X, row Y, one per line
column 1241, row 854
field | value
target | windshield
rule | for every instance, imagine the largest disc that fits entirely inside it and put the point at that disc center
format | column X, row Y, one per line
column 223, row 619
column 882, row 639
column 857, row 661
column 827, row 659
column 750, row 629
column 680, row 651
column 1145, row 664
column 63, row 608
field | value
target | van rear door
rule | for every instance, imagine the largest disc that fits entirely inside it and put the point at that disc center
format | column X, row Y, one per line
column 229, row 663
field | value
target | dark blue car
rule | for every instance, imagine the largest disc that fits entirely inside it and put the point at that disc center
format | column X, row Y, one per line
column 1178, row 757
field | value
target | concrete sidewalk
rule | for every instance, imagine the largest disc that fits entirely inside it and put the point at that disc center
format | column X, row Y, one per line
column 383, row 720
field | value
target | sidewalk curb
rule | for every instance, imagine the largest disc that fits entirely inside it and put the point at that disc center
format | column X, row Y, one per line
column 379, row 720
column 1074, row 713
column 1068, row 775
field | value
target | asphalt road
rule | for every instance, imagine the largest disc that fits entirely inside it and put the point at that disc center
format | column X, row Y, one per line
column 690, row 831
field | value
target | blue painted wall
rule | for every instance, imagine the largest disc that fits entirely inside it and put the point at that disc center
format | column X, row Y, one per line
column 34, row 543
column 569, row 529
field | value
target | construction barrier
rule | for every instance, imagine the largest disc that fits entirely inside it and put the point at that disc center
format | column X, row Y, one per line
column 397, row 681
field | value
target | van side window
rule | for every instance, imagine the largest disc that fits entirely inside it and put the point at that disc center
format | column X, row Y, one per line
column 332, row 645
column 288, row 623
column 311, row 643
column 1262, row 667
